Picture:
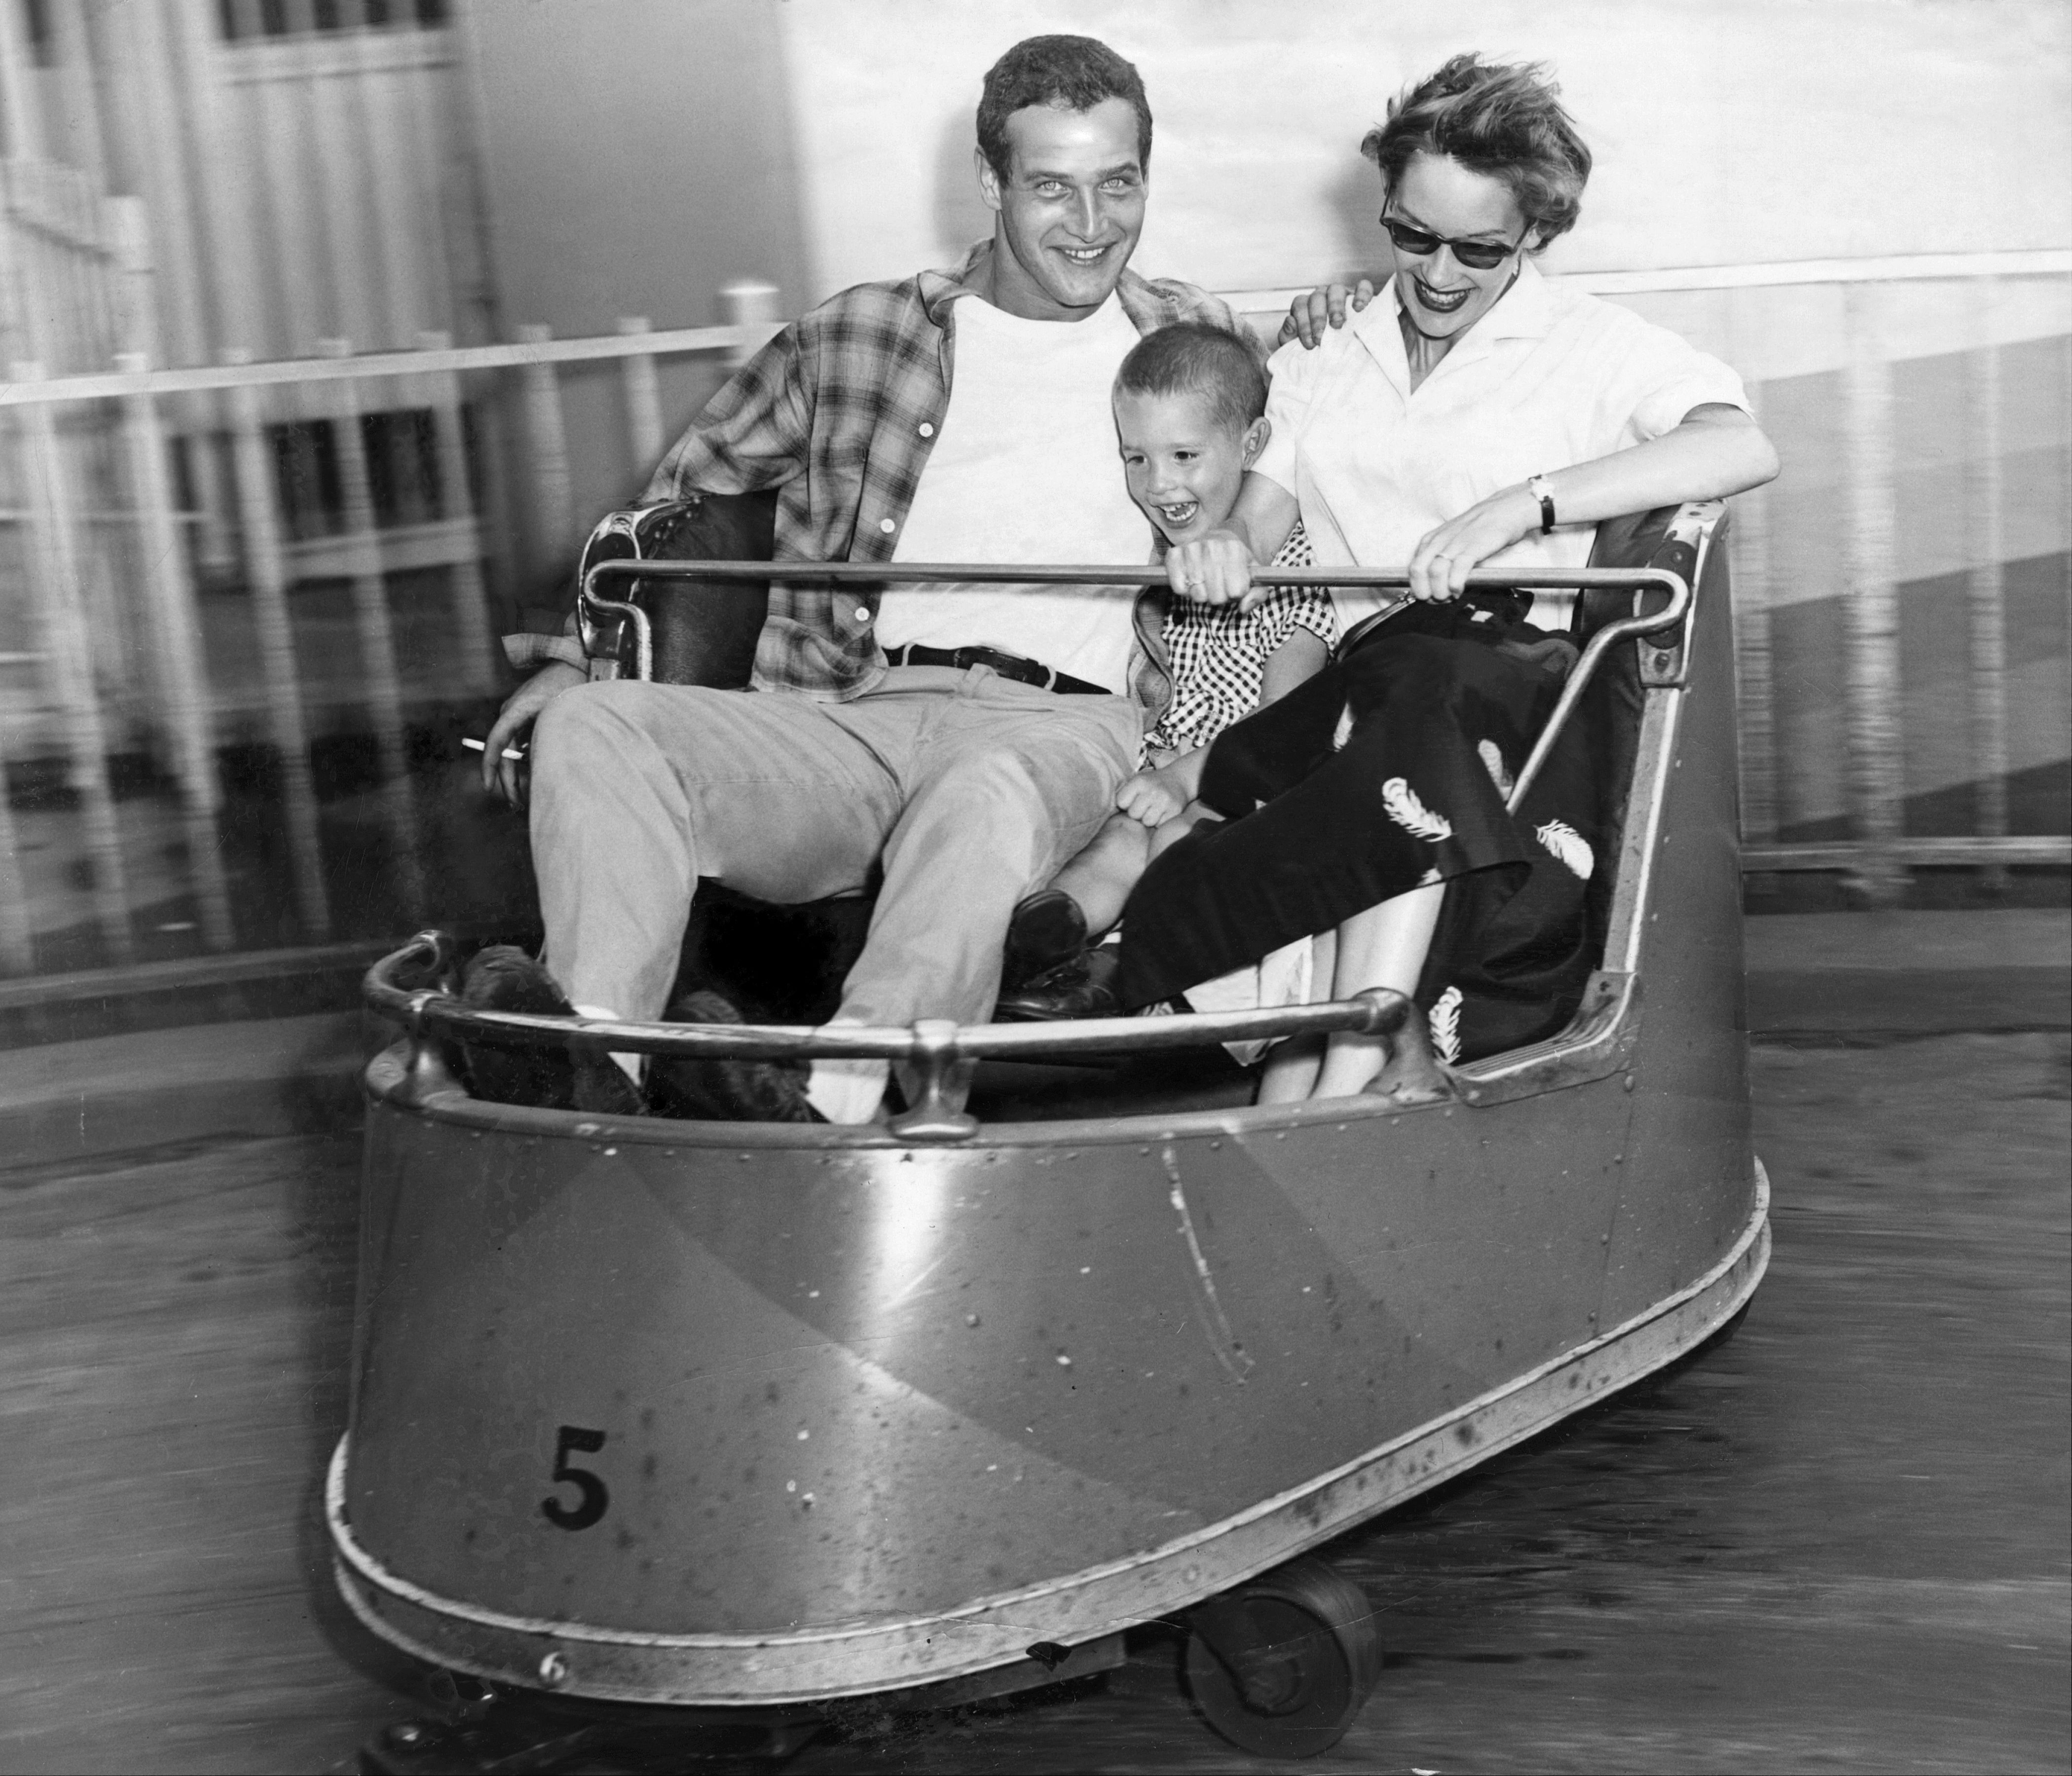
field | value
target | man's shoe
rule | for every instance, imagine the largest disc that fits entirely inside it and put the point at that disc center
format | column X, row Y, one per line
column 504, row 978
column 1084, row 987
column 1045, row 932
column 725, row 1087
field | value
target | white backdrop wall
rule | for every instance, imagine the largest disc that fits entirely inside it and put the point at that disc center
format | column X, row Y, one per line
column 1726, row 131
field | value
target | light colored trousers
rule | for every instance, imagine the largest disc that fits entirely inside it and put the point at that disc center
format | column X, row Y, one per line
column 970, row 788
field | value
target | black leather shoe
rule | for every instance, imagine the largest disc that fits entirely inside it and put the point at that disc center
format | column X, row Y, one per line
column 1084, row 987
column 725, row 1087
column 1045, row 931
column 504, row 978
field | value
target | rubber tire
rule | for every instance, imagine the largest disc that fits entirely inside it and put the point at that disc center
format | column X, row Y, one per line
column 1325, row 1620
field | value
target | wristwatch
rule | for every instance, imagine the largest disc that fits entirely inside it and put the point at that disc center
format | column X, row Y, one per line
column 1536, row 486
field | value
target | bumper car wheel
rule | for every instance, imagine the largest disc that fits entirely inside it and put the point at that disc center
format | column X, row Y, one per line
column 1281, row 1666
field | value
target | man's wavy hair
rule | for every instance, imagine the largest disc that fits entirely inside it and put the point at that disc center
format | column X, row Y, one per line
column 1504, row 119
column 1070, row 73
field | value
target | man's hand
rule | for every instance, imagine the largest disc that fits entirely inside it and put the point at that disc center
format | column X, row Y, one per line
column 1327, row 306
column 499, row 774
column 1212, row 569
column 1155, row 797
column 1440, row 564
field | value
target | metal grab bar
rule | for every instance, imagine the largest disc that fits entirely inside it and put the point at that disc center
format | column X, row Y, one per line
column 1010, row 573
column 1697, row 523
column 938, row 1050
column 590, row 603
column 434, row 1011
column 1702, row 516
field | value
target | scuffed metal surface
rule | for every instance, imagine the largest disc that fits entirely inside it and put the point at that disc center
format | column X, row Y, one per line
column 1230, row 1351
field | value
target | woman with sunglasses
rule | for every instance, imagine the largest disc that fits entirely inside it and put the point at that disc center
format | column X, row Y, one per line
column 1473, row 413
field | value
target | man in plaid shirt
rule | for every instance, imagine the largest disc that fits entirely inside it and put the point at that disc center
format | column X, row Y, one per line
column 965, row 741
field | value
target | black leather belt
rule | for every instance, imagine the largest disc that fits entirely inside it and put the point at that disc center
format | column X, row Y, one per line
column 1013, row 666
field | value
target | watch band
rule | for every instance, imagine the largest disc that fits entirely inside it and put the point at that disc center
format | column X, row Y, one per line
column 1536, row 486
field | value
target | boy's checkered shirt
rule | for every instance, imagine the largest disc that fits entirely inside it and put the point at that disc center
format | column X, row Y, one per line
column 1217, row 654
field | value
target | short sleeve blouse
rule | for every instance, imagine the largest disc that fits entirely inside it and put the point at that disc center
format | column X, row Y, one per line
column 1548, row 378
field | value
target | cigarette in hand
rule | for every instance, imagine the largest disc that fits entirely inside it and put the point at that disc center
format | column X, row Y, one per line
column 475, row 745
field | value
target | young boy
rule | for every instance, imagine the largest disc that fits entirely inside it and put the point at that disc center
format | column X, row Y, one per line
column 1189, row 404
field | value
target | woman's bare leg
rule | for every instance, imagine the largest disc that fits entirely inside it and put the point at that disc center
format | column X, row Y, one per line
column 1384, row 946
column 1100, row 877
column 1291, row 1066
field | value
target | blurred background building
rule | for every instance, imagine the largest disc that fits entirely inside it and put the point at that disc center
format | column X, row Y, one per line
column 332, row 323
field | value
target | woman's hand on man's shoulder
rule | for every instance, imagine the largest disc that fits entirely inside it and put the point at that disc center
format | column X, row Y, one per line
column 1328, row 305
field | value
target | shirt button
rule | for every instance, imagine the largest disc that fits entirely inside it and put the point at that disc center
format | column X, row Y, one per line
column 927, row 429
column 863, row 613
column 887, row 526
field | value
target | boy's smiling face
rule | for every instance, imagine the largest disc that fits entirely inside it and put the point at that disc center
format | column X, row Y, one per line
column 1184, row 466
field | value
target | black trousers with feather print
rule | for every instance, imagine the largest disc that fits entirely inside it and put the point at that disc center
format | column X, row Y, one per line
column 1388, row 769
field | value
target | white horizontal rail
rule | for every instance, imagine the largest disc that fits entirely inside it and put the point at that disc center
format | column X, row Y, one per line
column 1904, row 268
column 2040, row 262
column 447, row 359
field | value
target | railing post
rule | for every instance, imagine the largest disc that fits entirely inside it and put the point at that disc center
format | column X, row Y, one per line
column 18, row 949
column 751, row 306
column 457, row 505
column 175, row 628
column 21, row 121
column 266, row 571
column 547, row 445
column 55, row 585
column 1754, row 661
column 1986, row 582
column 642, row 392
column 136, row 278
column 377, row 637
column 1876, row 775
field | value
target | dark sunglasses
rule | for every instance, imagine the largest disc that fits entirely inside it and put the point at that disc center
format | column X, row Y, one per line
column 1477, row 255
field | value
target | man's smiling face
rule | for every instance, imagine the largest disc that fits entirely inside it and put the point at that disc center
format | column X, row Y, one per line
column 1070, row 211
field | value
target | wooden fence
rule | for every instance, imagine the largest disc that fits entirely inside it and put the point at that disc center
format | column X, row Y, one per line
column 105, row 503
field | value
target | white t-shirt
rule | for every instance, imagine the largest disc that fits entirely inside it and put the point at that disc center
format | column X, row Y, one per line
column 1026, row 469
column 1548, row 378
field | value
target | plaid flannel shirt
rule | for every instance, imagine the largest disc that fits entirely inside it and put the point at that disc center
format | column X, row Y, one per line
column 839, row 412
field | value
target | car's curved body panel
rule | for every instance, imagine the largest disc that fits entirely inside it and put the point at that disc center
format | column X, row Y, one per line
column 835, row 1411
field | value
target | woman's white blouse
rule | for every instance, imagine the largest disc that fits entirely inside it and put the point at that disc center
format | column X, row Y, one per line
column 1548, row 377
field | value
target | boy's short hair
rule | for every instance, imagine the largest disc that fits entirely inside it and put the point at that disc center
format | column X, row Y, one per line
column 1195, row 358
column 1070, row 73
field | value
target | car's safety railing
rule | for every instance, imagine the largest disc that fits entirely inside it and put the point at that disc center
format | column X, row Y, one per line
column 593, row 605
column 941, row 1052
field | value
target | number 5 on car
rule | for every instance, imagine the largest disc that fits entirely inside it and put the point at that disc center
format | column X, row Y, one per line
column 594, row 1498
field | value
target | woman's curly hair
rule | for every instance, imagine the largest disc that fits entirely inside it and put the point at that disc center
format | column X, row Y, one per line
column 1502, row 119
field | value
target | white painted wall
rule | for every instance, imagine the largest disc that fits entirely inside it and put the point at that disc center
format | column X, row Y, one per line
column 1726, row 131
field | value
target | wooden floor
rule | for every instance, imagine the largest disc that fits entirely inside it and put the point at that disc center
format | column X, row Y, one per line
column 1837, row 1543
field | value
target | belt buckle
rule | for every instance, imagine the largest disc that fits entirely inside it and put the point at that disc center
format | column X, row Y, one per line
column 1018, row 668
